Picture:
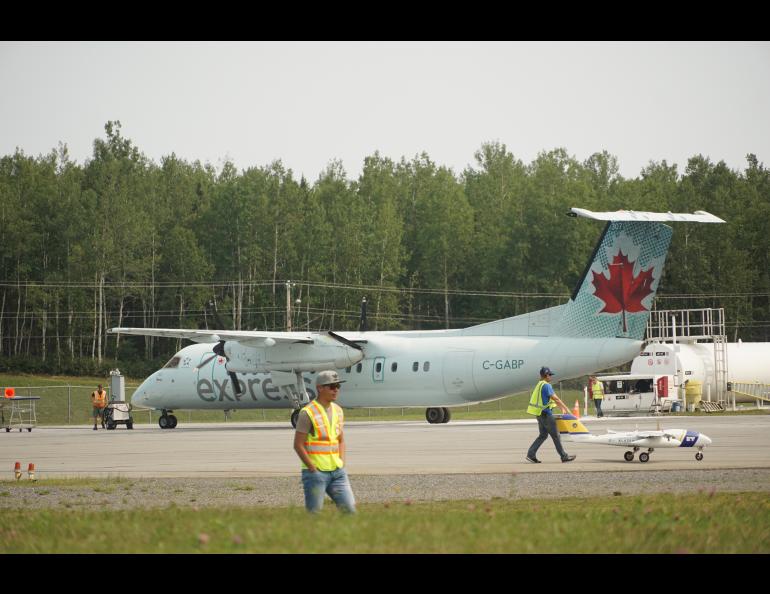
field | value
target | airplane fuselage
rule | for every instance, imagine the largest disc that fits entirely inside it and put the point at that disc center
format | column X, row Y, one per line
column 675, row 438
column 399, row 370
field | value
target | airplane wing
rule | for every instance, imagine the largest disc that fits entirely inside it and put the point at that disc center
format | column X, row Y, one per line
column 659, row 435
column 245, row 337
column 699, row 216
column 646, row 434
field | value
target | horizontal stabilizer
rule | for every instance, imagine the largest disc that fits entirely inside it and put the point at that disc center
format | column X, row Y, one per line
column 699, row 216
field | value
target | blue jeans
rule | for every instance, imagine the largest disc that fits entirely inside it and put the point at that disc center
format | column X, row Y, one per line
column 547, row 426
column 335, row 483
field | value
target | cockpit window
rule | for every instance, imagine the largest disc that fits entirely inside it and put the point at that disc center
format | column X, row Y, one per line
column 173, row 364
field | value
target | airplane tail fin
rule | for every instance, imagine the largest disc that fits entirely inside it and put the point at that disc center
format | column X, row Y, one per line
column 615, row 293
column 571, row 427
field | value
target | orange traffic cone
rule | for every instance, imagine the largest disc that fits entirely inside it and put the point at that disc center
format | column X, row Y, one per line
column 576, row 410
column 17, row 470
column 31, row 471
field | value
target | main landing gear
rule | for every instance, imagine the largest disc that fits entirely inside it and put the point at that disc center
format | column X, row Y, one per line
column 294, row 417
column 437, row 416
column 167, row 421
column 643, row 457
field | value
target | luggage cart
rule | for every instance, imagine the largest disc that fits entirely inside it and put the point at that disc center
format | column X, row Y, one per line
column 116, row 413
column 23, row 414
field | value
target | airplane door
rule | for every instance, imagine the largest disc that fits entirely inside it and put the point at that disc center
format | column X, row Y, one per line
column 378, row 370
column 458, row 373
column 206, row 372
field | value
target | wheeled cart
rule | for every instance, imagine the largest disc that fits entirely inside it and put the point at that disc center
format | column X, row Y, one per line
column 23, row 414
column 118, row 413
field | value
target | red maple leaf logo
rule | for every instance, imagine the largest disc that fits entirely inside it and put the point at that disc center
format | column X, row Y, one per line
column 623, row 292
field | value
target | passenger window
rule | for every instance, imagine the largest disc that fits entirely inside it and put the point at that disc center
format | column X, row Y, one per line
column 415, row 366
column 394, row 367
column 359, row 367
column 426, row 366
column 173, row 364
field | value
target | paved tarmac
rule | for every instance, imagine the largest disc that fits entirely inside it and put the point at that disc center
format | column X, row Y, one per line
column 374, row 448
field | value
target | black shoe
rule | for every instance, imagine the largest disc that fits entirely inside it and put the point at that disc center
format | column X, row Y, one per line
column 568, row 459
column 533, row 460
column 94, row 427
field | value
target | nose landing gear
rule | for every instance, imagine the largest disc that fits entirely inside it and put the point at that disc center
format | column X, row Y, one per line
column 166, row 420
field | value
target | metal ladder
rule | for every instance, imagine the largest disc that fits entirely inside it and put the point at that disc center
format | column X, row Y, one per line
column 720, row 367
column 706, row 324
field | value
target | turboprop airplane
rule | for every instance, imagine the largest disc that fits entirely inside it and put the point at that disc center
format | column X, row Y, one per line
column 601, row 326
column 571, row 429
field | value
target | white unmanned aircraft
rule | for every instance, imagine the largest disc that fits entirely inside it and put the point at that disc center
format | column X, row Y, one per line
column 601, row 326
column 571, row 429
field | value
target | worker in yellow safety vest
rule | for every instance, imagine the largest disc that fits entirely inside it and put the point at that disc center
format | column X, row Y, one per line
column 596, row 392
column 319, row 442
column 98, row 402
column 542, row 401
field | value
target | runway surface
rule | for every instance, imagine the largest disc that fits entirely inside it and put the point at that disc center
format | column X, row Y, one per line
column 386, row 448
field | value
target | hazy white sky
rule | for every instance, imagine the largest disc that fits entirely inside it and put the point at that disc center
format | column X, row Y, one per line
column 309, row 103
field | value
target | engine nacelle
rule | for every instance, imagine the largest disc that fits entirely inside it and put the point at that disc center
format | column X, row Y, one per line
column 324, row 353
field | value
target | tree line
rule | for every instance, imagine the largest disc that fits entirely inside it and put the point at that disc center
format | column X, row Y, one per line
column 123, row 241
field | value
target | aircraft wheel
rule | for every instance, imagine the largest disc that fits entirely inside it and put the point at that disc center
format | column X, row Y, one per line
column 699, row 456
column 447, row 415
column 164, row 422
column 172, row 421
column 629, row 456
column 644, row 457
column 129, row 424
column 294, row 417
column 434, row 415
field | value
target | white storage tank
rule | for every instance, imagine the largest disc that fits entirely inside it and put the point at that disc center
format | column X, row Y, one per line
column 745, row 361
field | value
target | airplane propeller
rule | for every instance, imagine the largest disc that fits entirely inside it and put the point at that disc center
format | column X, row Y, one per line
column 345, row 341
column 219, row 351
column 219, row 348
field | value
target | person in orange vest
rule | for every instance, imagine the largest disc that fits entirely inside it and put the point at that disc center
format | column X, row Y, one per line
column 98, row 402
column 320, row 444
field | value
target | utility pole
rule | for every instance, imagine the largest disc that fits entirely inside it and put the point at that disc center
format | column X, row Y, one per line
column 289, row 286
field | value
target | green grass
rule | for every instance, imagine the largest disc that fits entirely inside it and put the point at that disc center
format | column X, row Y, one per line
column 705, row 523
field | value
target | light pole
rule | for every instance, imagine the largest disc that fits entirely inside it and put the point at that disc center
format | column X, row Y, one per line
column 289, row 286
